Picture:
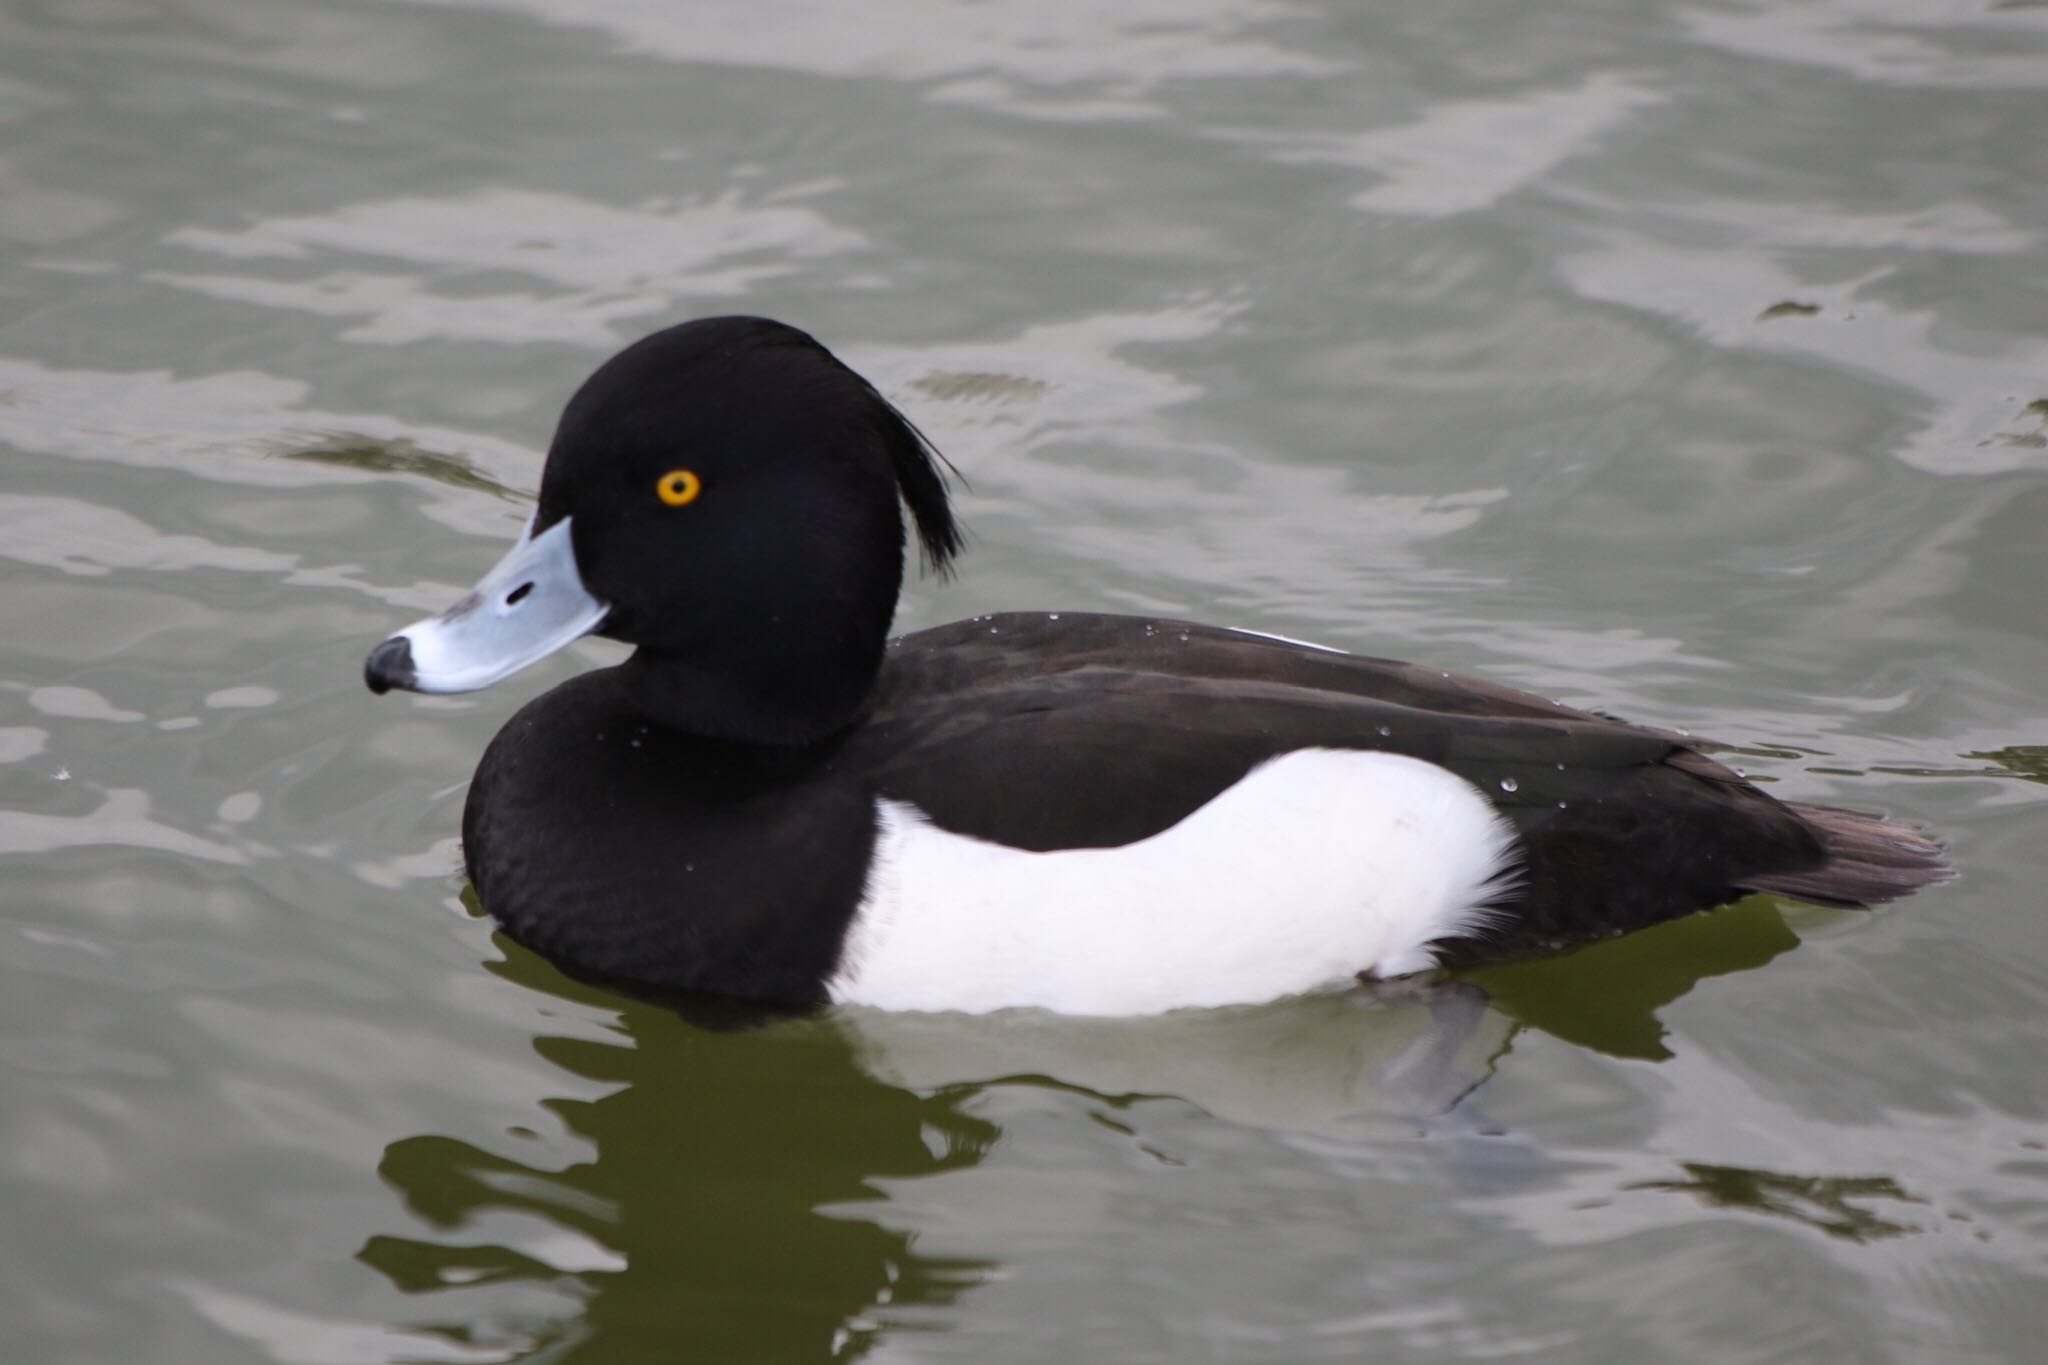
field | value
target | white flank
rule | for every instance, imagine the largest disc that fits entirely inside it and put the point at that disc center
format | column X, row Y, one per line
column 1317, row 866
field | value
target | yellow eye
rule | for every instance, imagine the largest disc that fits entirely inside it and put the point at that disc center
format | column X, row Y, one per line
column 678, row 486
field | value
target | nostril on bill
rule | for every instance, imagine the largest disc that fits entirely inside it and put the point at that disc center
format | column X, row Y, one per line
column 513, row 598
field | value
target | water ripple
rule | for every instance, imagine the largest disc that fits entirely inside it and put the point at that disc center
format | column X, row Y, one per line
column 605, row 264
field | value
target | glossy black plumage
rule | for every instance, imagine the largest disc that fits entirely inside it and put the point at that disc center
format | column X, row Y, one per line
column 702, row 818
column 693, row 864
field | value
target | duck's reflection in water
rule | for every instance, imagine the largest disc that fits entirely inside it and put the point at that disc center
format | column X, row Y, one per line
column 1330, row 1063
column 730, row 1205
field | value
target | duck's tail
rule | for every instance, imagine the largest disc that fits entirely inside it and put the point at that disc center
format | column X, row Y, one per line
column 1870, row 860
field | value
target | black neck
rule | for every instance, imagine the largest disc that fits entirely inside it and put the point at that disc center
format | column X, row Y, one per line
column 756, row 699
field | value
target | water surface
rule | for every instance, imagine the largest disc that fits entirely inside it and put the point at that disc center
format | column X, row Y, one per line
column 1686, row 360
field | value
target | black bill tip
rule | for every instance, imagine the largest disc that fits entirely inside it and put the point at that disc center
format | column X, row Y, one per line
column 390, row 665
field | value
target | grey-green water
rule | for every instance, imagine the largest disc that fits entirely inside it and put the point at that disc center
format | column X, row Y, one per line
column 1686, row 360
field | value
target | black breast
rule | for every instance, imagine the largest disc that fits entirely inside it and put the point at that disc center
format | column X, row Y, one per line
column 629, row 853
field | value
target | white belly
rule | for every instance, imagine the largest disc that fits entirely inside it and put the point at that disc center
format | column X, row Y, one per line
column 1317, row 866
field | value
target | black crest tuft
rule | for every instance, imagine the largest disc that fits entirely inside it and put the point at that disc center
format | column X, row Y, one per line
column 921, row 479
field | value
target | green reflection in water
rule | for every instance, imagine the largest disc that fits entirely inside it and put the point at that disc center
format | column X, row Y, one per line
column 1606, row 996
column 728, row 1170
column 1788, row 308
column 396, row 456
column 1820, row 1202
column 2026, row 761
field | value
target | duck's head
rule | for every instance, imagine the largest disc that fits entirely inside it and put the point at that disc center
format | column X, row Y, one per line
column 725, row 495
